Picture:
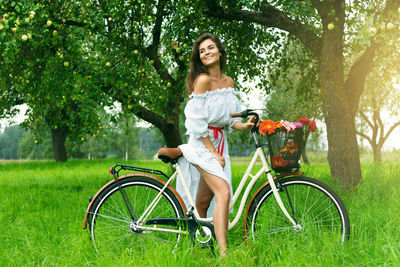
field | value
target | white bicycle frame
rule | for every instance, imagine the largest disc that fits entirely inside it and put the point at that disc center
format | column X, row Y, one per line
column 259, row 154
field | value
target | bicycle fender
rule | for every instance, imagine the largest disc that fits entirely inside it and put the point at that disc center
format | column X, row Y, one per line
column 128, row 176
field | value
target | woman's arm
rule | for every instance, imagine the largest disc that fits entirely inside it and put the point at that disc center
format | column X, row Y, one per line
column 240, row 126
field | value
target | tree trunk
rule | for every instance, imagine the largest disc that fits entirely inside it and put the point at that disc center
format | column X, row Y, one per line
column 58, row 138
column 377, row 153
column 304, row 156
column 343, row 154
column 126, row 150
column 171, row 134
column 168, row 126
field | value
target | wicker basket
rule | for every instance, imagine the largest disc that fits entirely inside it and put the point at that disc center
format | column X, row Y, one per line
column 285, row 150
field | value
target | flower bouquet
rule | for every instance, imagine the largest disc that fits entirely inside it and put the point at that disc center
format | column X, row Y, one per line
column 285, row 142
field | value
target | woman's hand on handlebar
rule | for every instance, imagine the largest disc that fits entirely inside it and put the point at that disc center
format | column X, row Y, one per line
column 245, row 125
column 252, row 121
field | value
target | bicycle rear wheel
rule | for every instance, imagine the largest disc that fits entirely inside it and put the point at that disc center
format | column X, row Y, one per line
column 316, row 208
column 110, row 222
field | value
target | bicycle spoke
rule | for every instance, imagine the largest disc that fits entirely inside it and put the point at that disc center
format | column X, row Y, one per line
column 109, row 217
column 315, row 210
column 113, row 213
column 111, row 223
column 117, row 207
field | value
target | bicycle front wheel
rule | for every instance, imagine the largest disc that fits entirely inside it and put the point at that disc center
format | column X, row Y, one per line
column 111, row 225
column 315, row 207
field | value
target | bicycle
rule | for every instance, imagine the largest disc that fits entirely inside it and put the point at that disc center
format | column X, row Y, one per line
column 141, row 206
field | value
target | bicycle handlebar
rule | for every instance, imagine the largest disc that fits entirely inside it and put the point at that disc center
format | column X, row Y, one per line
column 245, row 114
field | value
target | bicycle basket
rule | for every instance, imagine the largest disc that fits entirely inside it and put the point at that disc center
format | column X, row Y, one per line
column 285, row 150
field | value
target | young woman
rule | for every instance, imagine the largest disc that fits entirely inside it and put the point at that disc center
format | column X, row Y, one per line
column 206, row 162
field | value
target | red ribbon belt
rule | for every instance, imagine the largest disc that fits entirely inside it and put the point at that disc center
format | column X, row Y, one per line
column 221, row 141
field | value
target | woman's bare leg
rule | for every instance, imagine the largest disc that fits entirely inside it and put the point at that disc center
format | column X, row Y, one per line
column 221, row 190
column 203, row 198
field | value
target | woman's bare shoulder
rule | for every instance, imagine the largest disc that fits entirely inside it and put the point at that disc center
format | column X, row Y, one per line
column 228, row 81
column 202, row 84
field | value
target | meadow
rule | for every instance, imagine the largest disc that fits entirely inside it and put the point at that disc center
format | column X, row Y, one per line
column 42, row 206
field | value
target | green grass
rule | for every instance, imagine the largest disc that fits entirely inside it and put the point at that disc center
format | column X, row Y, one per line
column 42, row 205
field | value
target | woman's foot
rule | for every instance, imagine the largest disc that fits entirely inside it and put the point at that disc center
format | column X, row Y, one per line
column 223, row 252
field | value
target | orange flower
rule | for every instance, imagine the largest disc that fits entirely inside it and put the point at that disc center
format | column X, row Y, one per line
column 278, row 161
column 267, row 126
column 278, row 124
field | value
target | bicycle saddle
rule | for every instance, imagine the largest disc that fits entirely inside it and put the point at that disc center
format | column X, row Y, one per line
column 169, row 154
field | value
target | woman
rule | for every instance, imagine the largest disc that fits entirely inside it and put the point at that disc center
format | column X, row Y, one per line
column 206, row 162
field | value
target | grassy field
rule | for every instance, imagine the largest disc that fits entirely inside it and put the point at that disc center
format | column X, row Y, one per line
column 42, row 205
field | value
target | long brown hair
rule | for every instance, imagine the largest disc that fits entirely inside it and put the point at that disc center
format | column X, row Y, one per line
column 196, row 66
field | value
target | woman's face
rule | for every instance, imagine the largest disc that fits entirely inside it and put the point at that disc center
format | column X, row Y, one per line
column 209, row 53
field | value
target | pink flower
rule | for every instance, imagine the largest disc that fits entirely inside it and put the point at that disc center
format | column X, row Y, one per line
column 289, row 126
column 297, row 124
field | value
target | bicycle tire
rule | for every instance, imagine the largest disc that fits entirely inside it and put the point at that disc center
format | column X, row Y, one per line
column 109, row 218
column 317, row 209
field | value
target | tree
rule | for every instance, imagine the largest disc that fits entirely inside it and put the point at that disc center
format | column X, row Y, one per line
column 128, row 136
column 29, row 148
column 136, row 52
column 46, row 54
column 143, row 49
column 9, row 140
column 381, row 95
column 325, row 28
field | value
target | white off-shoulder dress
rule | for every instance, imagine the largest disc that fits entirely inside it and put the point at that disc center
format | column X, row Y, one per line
column 212, row 108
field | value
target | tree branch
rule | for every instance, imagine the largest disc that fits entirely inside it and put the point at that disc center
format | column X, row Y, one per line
column 355, row 81
column 364, row 136
column 151, row 50
column 366, row 119
column 149, row 116
column 381, row 127
column 269, row 17
column 391, row 129
column 151, row 53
